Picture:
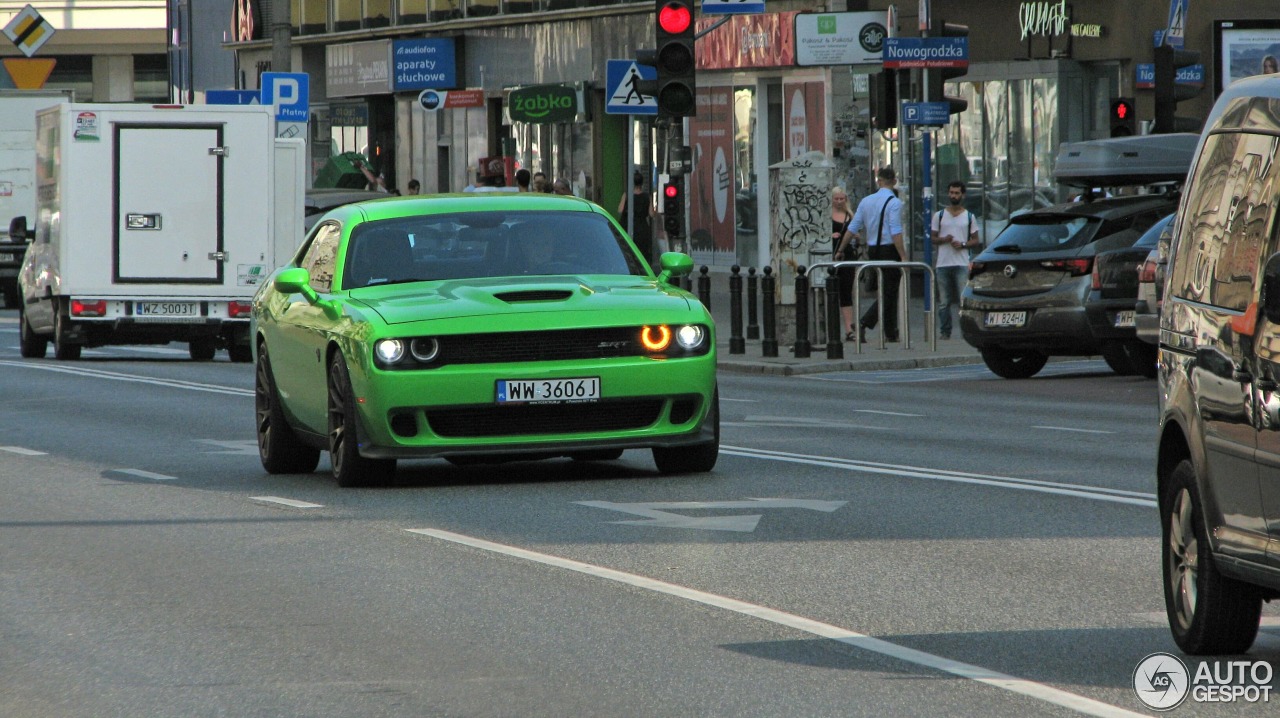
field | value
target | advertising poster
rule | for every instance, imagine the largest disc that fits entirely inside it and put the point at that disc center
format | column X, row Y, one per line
column 805, row 110
column 1245, row 48
column 710, row 186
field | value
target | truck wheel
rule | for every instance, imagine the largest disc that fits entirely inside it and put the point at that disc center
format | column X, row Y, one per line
column 1013, row 364
column 1116, row 357
column 240, row 353
column 350, row 469
column 201, row 349
column 696, row 459
column 30, row 344
column 62, row 349
column 1208, row 612
column 11, row 298
column 278, row 447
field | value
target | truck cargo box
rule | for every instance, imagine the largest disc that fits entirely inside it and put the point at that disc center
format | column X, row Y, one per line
column 157, row 224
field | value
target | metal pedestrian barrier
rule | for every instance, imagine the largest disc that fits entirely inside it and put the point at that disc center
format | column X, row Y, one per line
column 829, row 271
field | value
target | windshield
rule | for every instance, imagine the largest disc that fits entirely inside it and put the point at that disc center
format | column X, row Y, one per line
column 477, row 245
column 1152, row 236
column 1045, row 232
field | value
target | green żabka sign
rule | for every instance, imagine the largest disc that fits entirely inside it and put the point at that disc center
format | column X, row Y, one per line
column 542, row 104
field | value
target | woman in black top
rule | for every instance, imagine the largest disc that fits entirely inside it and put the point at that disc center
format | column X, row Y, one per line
column 841, row 217
column 643, row 232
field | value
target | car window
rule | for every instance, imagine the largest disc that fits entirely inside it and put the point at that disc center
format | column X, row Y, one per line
column 1152, row 236
column 320, row 260
column 1044, row 232
column 1228, row 216
column 477, row 245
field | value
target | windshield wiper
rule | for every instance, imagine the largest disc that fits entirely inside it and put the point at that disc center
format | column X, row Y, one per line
column 1008, row 249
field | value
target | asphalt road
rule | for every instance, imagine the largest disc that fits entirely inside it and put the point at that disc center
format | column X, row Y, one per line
column 927, row 542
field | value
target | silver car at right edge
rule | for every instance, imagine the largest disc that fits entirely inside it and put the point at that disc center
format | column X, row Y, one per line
column 1218, row 451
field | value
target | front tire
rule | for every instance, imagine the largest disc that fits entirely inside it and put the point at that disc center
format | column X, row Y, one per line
column 695, row 459
column 350, row 469
column 278, row 447
column 1009, row 364
column 1208, row 613
column 30, row 344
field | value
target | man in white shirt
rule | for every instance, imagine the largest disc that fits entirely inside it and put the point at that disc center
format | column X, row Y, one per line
column 879, row 220
column 955, row 232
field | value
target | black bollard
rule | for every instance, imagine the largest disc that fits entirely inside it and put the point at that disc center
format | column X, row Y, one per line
column 753, row 329
column 769, row 343
column 704, row 287
column 802, row 347
column 737, row 344
column 835, row 335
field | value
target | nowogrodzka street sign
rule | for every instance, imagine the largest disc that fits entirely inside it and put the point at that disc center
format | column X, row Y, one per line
column 930, row 52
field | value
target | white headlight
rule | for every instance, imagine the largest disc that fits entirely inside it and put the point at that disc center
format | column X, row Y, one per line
column 690, row 336
column 389, row 351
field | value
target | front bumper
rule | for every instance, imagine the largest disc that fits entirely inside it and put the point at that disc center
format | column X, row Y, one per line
column 452, row 410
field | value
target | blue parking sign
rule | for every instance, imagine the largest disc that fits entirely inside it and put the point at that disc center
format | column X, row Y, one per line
column 289, row 93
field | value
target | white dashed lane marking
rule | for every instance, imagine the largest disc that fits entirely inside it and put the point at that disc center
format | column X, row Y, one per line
column 287, row 502
column 22, row 451
column 143, row 474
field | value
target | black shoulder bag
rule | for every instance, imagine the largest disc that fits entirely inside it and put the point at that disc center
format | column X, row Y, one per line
column 869, row 278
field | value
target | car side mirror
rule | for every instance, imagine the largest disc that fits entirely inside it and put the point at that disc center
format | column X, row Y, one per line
column 675, row 265
column 1271, row 289
column 18, row 229
column 295, row 280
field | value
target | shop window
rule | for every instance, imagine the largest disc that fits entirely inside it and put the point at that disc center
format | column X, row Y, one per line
column 312, row 16
column 481, row 8
column 517, row 7
column 151, row 78
column 438, row 10
column 346, row 15
column 75, row 73
column 411, row 11
column 377, row 13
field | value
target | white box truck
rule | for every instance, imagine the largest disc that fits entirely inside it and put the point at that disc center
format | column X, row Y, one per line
column 156, row 223
column 18, row 174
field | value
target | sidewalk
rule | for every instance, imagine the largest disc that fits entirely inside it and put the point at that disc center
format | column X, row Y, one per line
column 949, row 352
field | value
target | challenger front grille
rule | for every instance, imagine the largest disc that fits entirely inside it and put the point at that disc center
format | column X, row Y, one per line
column 527, row 419
column 540, row 346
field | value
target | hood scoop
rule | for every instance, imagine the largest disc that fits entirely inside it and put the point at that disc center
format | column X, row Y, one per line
column 535, row 295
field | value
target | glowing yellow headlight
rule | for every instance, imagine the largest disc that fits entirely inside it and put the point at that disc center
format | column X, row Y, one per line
column 655, row 339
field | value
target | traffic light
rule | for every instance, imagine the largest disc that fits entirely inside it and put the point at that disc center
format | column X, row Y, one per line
column 1123, row 121
column 884, row 99
column 673, row 207
column 674, row 59
column 1169, row 92
column 938, row 76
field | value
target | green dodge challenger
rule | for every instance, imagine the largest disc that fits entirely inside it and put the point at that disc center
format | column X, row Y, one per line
column 478, row 328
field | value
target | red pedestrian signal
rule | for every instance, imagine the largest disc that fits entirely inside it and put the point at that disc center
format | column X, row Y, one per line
column 1124, row 119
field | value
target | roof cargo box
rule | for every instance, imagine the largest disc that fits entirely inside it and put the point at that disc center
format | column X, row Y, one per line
column 1119, row 161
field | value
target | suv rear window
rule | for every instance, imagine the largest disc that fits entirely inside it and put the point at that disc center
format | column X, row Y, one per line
column 1047, row 232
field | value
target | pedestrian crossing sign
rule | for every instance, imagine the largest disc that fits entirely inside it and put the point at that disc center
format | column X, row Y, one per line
column 624, row 98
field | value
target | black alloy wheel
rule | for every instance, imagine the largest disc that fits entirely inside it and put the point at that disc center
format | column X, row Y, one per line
column 278, row 447
column 1209, row 614
column 350, row 469
column 1010, row 364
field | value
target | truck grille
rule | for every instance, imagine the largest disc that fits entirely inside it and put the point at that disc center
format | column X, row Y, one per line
column 528, row 419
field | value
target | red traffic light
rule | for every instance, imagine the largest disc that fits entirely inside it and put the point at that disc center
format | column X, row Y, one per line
column 671, row 191
column 675, row 18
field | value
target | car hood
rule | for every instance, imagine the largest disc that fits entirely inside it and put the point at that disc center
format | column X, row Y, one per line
column 421, row 301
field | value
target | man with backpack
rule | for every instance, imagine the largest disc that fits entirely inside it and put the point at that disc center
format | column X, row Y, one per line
column 954, row 232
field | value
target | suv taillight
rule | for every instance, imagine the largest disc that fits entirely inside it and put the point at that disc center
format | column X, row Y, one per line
column 1096, row 279
column 1078, row 267
column 1147, row 270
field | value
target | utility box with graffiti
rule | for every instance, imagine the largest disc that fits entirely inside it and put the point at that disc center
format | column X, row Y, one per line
column 800, row 208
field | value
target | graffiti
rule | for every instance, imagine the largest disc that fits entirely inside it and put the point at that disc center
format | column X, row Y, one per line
column 802, row 215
